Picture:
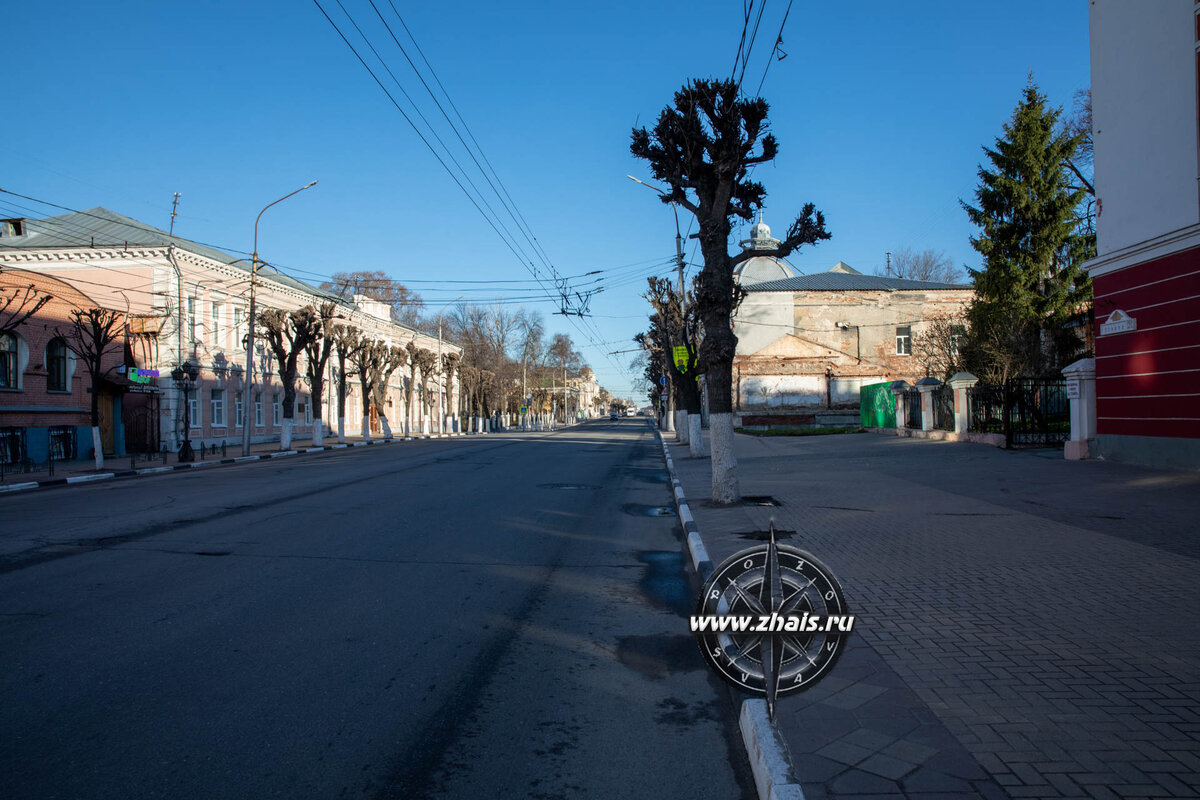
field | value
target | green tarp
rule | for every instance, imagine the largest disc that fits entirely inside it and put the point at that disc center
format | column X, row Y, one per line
column 877, row 406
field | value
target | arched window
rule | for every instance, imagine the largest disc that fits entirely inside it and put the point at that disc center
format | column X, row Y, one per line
column 56, row 366
column 9, row 379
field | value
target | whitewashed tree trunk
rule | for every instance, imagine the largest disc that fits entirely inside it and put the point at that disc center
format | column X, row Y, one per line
column 285, row 434
column 725, row 487
column 318, row 432
column 682, row 431
column 97, row 448
column 366, row 428
column 387, row 429
column 341, row 430
column 695, row 437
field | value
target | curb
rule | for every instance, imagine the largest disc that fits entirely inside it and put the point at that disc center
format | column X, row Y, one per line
column 135, row 473
column 770, row 761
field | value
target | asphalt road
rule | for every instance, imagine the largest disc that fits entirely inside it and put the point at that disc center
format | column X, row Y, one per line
column 493, row 617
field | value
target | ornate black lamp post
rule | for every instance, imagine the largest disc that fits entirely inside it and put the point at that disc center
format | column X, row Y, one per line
column 184, row 376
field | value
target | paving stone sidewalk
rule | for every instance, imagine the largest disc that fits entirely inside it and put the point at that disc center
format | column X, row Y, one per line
column 1026, row 625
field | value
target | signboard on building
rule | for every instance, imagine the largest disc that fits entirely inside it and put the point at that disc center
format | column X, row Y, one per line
column 1073, row 389
column 1118, row 322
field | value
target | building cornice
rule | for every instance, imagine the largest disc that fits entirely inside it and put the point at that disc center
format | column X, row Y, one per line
column 1148, row 250
column 83, row 255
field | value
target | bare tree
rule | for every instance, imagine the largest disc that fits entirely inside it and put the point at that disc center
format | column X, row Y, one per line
column 369, row 361
column 287, row 334
column 924, row 265
column 347, row 341
column 450, row 364
column 672, row 326
column 19, row 303
column 391, row 359
column 938, row 346
column 92, row 334
column 316, row 358
column 406, row 304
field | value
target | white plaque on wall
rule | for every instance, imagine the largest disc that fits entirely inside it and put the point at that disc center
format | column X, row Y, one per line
column 1118, row 322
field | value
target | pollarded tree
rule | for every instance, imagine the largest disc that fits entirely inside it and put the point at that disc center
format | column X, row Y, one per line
column 393, row 359
column 679, row 327
column 703, row 147
column 1033, row 246
column 369, row 361
column 92, row 334
column 347, row 342
column 450, row 363
column 316, row 354
column 287, row 334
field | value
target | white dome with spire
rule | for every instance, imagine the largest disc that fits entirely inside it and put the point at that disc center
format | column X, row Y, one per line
column 765, row 267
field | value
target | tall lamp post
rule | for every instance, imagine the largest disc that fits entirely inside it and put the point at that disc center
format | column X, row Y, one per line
column 184, row 376
column 250, row 323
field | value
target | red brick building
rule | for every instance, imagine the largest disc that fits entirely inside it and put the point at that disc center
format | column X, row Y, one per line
column 1145, row 76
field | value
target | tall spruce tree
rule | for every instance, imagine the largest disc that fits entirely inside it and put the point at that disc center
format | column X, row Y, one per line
column 1031, row 284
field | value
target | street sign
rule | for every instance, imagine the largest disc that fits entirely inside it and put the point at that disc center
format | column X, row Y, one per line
column 662, row 381
column 524, row 409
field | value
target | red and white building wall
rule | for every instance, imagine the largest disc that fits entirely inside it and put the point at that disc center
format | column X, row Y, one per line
column 1146, row 276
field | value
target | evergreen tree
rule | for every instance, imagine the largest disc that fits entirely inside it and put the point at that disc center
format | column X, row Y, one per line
column 1031, row 286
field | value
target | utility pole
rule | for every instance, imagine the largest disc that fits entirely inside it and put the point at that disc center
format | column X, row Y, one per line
column 174, row 211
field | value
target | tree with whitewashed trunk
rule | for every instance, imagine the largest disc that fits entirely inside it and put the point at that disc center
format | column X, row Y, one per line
column 392, row 359
column 422, row 361
column 92, row 334
column 449, row 368
column 675, row 324
column 368, row 362
column 316, row 357
column 287, row 334
column 703, row 147
column 347, row 341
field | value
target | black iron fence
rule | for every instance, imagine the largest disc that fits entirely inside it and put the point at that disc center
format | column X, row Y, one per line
column 912, row 408
column 943, row 408
column 1030, row 412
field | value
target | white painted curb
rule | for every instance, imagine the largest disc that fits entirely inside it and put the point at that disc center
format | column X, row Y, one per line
column 699, row 554
column 768, row 754
column 14, row 487
column 155, row 470
column 89, row 478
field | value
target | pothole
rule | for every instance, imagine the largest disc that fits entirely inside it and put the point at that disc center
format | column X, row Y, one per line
column 638, row 510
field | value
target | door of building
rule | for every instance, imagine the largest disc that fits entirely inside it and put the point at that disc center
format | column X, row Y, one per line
column 106, row 423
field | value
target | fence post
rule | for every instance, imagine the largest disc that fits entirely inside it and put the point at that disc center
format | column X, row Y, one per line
column 960, row 383
column 926, row 387
column 1081, row 390
column 898, row 389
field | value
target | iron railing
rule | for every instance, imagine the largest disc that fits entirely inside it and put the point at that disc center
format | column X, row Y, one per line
column 912, row 408
column 943, row 408
column 1030, row 412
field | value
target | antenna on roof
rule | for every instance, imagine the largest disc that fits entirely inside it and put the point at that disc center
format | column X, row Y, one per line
column 174, row 211
column 889, row 263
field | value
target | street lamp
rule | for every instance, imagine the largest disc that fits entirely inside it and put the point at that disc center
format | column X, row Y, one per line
column 678, row 240
column 184, row 376
column 249, row 391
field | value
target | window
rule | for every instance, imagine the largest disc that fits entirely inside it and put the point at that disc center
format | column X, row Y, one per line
column 194, row 408
column 239, row 412
column 306, row 411
column 56, row 366
column 12, row 227
column 237, row 326
column 62, row 443
column 276, row 410
column 9, row 379
column 258, row 411
column 12, row 445
column 191, row 320
column 216, row 323
column 958, row 335
column 904, row 340
column 218, row 408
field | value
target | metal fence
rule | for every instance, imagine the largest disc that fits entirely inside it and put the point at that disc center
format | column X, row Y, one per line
column 943, row 408
column 1030, row 412
column 912, row 408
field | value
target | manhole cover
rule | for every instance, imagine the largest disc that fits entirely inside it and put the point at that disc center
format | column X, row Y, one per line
column 638, row 510
column 566, row 486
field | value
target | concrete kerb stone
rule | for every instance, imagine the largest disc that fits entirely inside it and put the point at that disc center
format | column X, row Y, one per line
column 134, row 473
column 770, row 762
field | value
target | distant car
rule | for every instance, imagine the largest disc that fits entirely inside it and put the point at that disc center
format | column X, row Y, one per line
column 614, row 415
column 629, row 412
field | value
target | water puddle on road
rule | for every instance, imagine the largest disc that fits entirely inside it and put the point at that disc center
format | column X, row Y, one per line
column 665, row 584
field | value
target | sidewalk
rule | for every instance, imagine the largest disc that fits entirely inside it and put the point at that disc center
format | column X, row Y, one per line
column 83, row 471
column 1025, row 624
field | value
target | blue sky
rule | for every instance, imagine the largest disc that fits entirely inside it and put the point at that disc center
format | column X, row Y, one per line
column 880, row 109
